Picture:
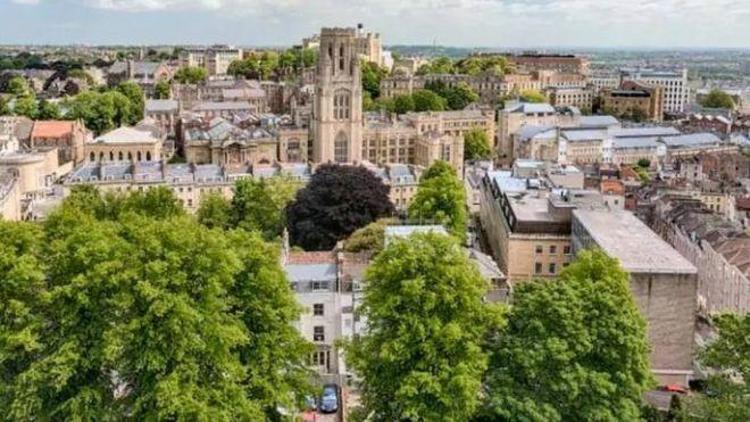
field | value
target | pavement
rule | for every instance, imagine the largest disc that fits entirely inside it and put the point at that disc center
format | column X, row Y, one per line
column 319, row 417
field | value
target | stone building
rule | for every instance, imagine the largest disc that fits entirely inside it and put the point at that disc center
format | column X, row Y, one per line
column 221, row 143
column 337, row 111
column 125, row 143
column 68, row 136
column 10, row 197
column 215, row 59
column 634, row 99
column 580, row 97
column 528, row 229
column 165, row 113
column 145, row 74
column 563, row 63
column 718, row 247
column 674, row 84
column 341, row 133
column 663, row 283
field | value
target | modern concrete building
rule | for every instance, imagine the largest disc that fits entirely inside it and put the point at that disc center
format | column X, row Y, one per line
column 663, row 283
column 673, row 82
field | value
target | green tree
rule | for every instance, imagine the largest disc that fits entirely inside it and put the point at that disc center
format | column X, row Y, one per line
column 191, row 75
column 403, row 104
column 440, row 65
column 372, row 74
column 476, row 145
column 162, row 90
column 457, row 97
column 717, row 98
column 422, row 356
column 215, row 211
column 426, row 100
column 102, row 112
column 137, row 101
column 727, row 396
column 18, row 87
column 259, row 204
column 533, row 96
column 370, row 237
column 4, row 107
column 48, row 111
column 575, row 349
column 26, row 106
column 198, row 323
column 441, row 199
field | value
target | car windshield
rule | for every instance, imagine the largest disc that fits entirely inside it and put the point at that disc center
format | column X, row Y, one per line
column 329, row 392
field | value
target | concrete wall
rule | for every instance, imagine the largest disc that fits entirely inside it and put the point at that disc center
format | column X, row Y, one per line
column 668, row 303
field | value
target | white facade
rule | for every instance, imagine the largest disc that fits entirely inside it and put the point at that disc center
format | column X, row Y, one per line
column 674, row 83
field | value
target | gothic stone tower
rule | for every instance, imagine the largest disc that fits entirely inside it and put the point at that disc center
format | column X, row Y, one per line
column 337, row 110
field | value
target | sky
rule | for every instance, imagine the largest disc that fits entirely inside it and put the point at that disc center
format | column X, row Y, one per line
column 464, row 23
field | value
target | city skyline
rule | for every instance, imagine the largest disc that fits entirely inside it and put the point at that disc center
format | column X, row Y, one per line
column 469, row 23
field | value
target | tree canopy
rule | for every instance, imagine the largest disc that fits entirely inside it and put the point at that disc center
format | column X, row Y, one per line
column 574, row 349
column 533, row 96
column 127, row 308
column 441, row 199
column 372, row 74
column 717, row 98
column 457, row 97
column 421, row 357
column 162, row 90
column 370, row 237
column 191, row 75
column 102, row 111
column 727, row 395
column 338, row 200
column 477, row 145
column 260, row 204
column 440, row 65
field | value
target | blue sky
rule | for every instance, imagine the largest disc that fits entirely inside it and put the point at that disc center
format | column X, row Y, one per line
column 488, row 23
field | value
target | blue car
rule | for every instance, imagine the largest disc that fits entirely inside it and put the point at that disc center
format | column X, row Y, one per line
column 329, row 400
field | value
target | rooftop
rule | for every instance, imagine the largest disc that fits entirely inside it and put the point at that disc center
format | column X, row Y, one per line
column 625, row 237
column 127, row 135
column 52, row 128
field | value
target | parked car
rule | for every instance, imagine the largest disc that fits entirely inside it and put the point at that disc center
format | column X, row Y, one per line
column 329, row 399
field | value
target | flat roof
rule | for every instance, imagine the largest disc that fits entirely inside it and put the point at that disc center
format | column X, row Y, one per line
column 623, row 236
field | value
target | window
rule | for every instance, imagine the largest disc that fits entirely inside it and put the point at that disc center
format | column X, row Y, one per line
column 318, row 309
column 320, row 285
column 319, row 358
column 341, row 148
column 539, row 249
column 319, row 333
column 552, row 268
column 538, row 268
column 341, row 105
column 552, row 250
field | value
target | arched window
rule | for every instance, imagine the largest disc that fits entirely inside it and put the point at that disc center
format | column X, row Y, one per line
column 92, row 156
column 101, row 156
column 341, row 148
column 111, row 156
column 139, row 156
column 130, row 156
column 148, row 155
column 119, row 155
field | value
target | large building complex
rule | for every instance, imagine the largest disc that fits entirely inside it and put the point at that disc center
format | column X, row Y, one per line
column 673, row 83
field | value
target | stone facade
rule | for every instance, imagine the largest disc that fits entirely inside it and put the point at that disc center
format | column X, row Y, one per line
column 337, row 111
column 633, row 97
column 125, row 143
column 68, row 137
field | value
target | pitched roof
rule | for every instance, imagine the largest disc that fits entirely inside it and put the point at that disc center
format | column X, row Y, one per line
column 52, row 128
column 127, row 135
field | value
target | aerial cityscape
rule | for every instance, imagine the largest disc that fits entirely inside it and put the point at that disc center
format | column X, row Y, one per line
column 471, row 210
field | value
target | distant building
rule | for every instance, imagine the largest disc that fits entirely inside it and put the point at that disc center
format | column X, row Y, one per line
column 634, row 99
column 125, row 144
column 215, row 59
column 165, row 113
column 558, row 62
column 580, row 97
column 145, row 74
column 68, row 136
column 674, row 84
